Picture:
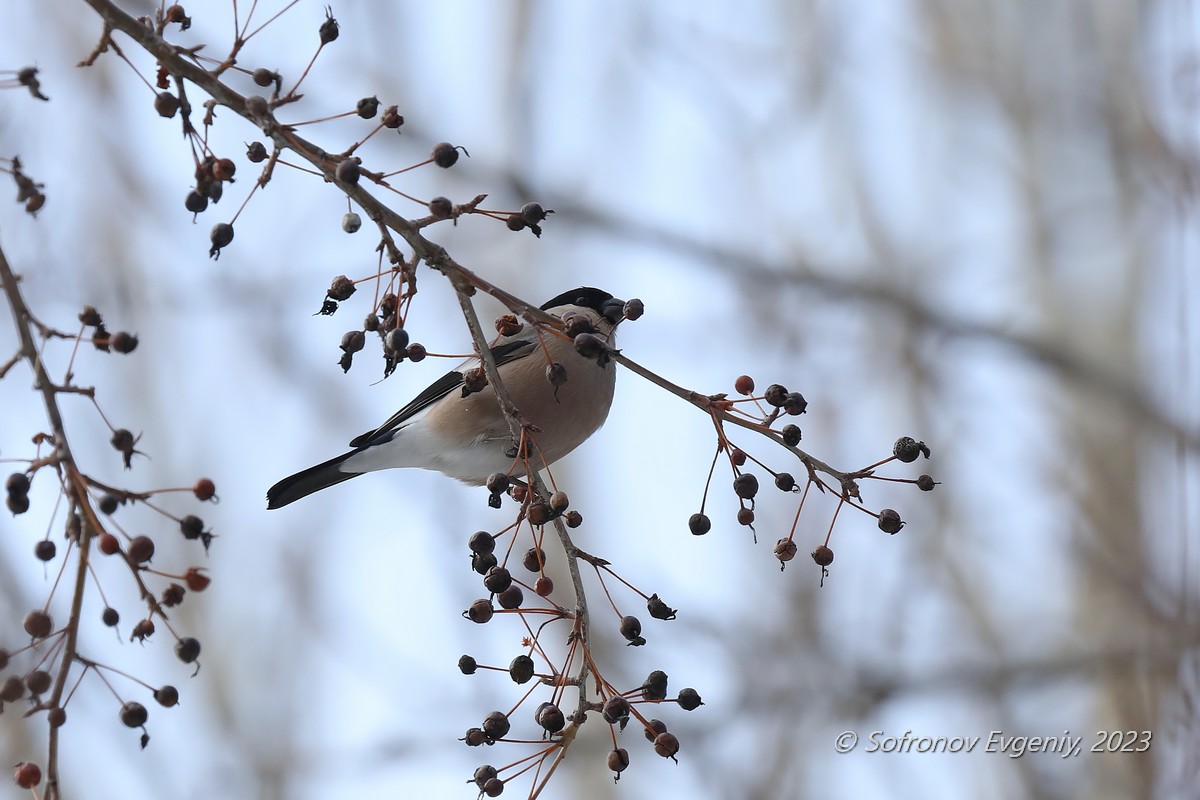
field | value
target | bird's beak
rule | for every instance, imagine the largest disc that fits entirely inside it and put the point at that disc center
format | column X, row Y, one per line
column 613, row 310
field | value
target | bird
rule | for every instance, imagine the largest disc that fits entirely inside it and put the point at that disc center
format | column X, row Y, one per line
column 464, row 434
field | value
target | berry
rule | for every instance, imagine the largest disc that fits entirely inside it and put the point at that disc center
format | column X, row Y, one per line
column 785, row 482
column 56, row 717
column 396, row 340
column 367, row 107
column 889, row 521
column 38, row 681
column 196, row 580
column 791, row 435
column 220, row 236
column 12, row 690
column 631, row 629
column 415, row 352
column 44, row 550
column 496, row 725
column 823, row 556
column 166, row 696
column 906, row 449
column 480, row 612
column 618, row 760
column 544, row 586
column 511, row 598
column 166, row 104
column 633, row 309
column 655, row 686
column 559, row 502
column 481, row 542
column 38, row 624
column 534, row 559
column 353, row 341
column 195, row 202
column 467, row 665
column 497, row 579
column 441, row 207
column 17, row 483
column 187, row 649
column 556, row 374
column 391, row 118
column 329, row 28
column 533, row 213
column 108, row 544
column 484, row 774
column 27, row 775
column 347, row 171
column 775, row 395
column 550, row 717
column 521, row 669
column 204, row 489
column 666, row 744
column 795, row 404
column 615, row 710
column 786, row 549
column 133, row 714
column 745, row 516
column 744, row 385
column 745, row 486
column 445, row 155
column 256, row 152
column 110, row 616
column 689, row 699
column 17, row 503
column 654, row 728
column 699, row 524
column 926, row 483
column 658, row 609
column 351, row 222
column 589, row 345
column 482, row 562
column 141, row 549
column 224, row 169
column 264, row 77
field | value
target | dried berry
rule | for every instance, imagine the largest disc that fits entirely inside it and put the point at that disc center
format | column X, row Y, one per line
column 441, row 207
column 689, row 699
column 666, row 744
column 56, row 717
column 511, row 598
column 497, row 482
column 224, row 169
column 785, row 482
column 38, row 681
column 17, row 503
column 791, row 435
column 329, row 28
column 341, row 288
column 745, row 516
column 480, row 611
column 533, row 213
column 745, row 486
column 744, row 385
column 476, row 737
column 926, row 483
column 496, row 725
column 544, row 586
column 615, row 710
column 142, row 629
column 110, row 617
column 17, row 483
column 653, row 728
column 484, row 774
column 631, row 629
column 351, row 222
column 415, row 352
column 823, row 556
column 655, row 686
column 195, row 202
column 141, row 549
column 38, row 624
column 353, row 341
column 889, row 521
column 397, row 340
column 191, row 526
column 264, row 77
column 27, row 774
column 497, row 579
column 12, row 690
column 196, row 580
column 577, row 323
column 699, row 524
column 481, row 542
column 618, row 760
column 737, row 457
column 347, row 171
column 795, row 404
column 133, row 714
column 559, row 502
column 187, row 649
column 534, row 559
column 550, row 717
column 473, row 380
column 775, row 395
column 391, row 118
column 367, row 107
column 573, row 519
column 467, row 665
column 906, row 449
column 556, row 374
column 482, row 562
column 166, row 696
column 633, row 309
column 445, row 155
column 256, row 152
column 521, row 669
column 90, row 316
column 785, row 549
column 166, row 104
column 658, row 609
column 221, row 236
column 109, row 545
column 493, row 788
column 123, row 342
column 589, row 345
column 44, row 550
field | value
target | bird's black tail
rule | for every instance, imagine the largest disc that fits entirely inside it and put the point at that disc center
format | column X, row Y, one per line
column 305, row 482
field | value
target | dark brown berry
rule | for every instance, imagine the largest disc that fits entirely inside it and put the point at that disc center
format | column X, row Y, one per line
column 204, row 489
column 556, row 374
column 666, row 744
column 785, row 482
column 172, row 595
column 574, row 519
column 618, row 760
column 493, row 788
column 737, row 457
column 889, row 521
column 441, row 207
column 926, row 483
column 141, row 549
column 775, row 395
column 256, row 152
column 341, row 288
column 795, row 404
column 467, row 665
column 397, row 340
column 38, row 681
column 44, row 550
column 133, row 714
column 166, row 696
column 521, row 669
column 577, row 323
column 353, row 341
column 123, row 342
column 142, row 629
column 655, row 686
column 550, row 717
column 108, row 544
column 166, row 104
column 786, row 549
column 699, row 524
column 480, row 612
column 533, row 213
column 445, row 155
column 195, row 202
column 689, row 699
column 481, row 542
column 633, row 309
column 474, row 380
column 56, row 717
column 906, row 449
column 484, row 774
column 391, row 118
column 823, row 556
column 497, row 482
column 187, row 649
column 12, row 690
column 482, row 562
column 497, row 579
column 347, row 171
column 38, row 624
column 415, row 352
column 658, row 609
column 496, row 725
column 257, row 106
column 539, row 513
column 17, row 503
column 744, row 385
column 544, row 586
column 791, row 435
column 745, row 486
column 745, row 516
column 221, row 236
column 591, row 346
column 224, row 169
column 511, row 598
column 615, row 710
column 110, row 616
column 367, row 107
column 654, row 728
column 90, row 316
column 631, row 629
column 264, row 77
column 475, row 737
column 534, row 559
column 329, row 28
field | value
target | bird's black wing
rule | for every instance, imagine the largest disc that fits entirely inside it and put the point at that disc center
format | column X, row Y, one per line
column 502, row 353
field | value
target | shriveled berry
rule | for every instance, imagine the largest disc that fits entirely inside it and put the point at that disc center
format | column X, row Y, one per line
column 256, row 152
column 166, row 104
column 133, row 714
column 786, row 549
column 534, row 559
column 467, row 665
column 618, row 760
column 615, row 709
column 493, row 788
column 577, row 323
column 221, row 236
column 658, row 609
column 12, row 690
column 484, row 774
column 497, row 482
column 142, row 629
column 497, row 579
column 347, row 171
column 745, row 516
column 480, row 611
column 544, row 586
column 481, row 542
column 441, row 207
column 496, row 725
column 633, row 309
column 889, row 521
column 38, row 681
column 123, row 342
column 204, row 489
column 744, row 385
column 257, row 105
column 785, row 482
column 521, row 669
column 538, row 513
column 341, row 288
column 550, row 717
column 166, row 696
column 533, row 213
column 475, row 737
column 573, row 519
column 689, row 699
column 556, row 374
column 473, row 380
column 38, row 624
column 737, row 457
column 631, row 629
column 655, row 686
column 482, row 562
column 699, row 524
column 415, row 352
column 653, row 728
column 795, row 404
column 906, row 449
column 141, row 549
column 353, row 341
column 367, row 107
column 745, row 486
column 351, row 222
column 791, row 435
column 396, row 340
column 823, row 556
column 445, row 155
column 110, row 616
column 391, row 118
column 27, row 774
column 511, row 598
column 45, row 550
column 926, row 483
column 187, row 649
column 775, row 395
column 666, row 744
